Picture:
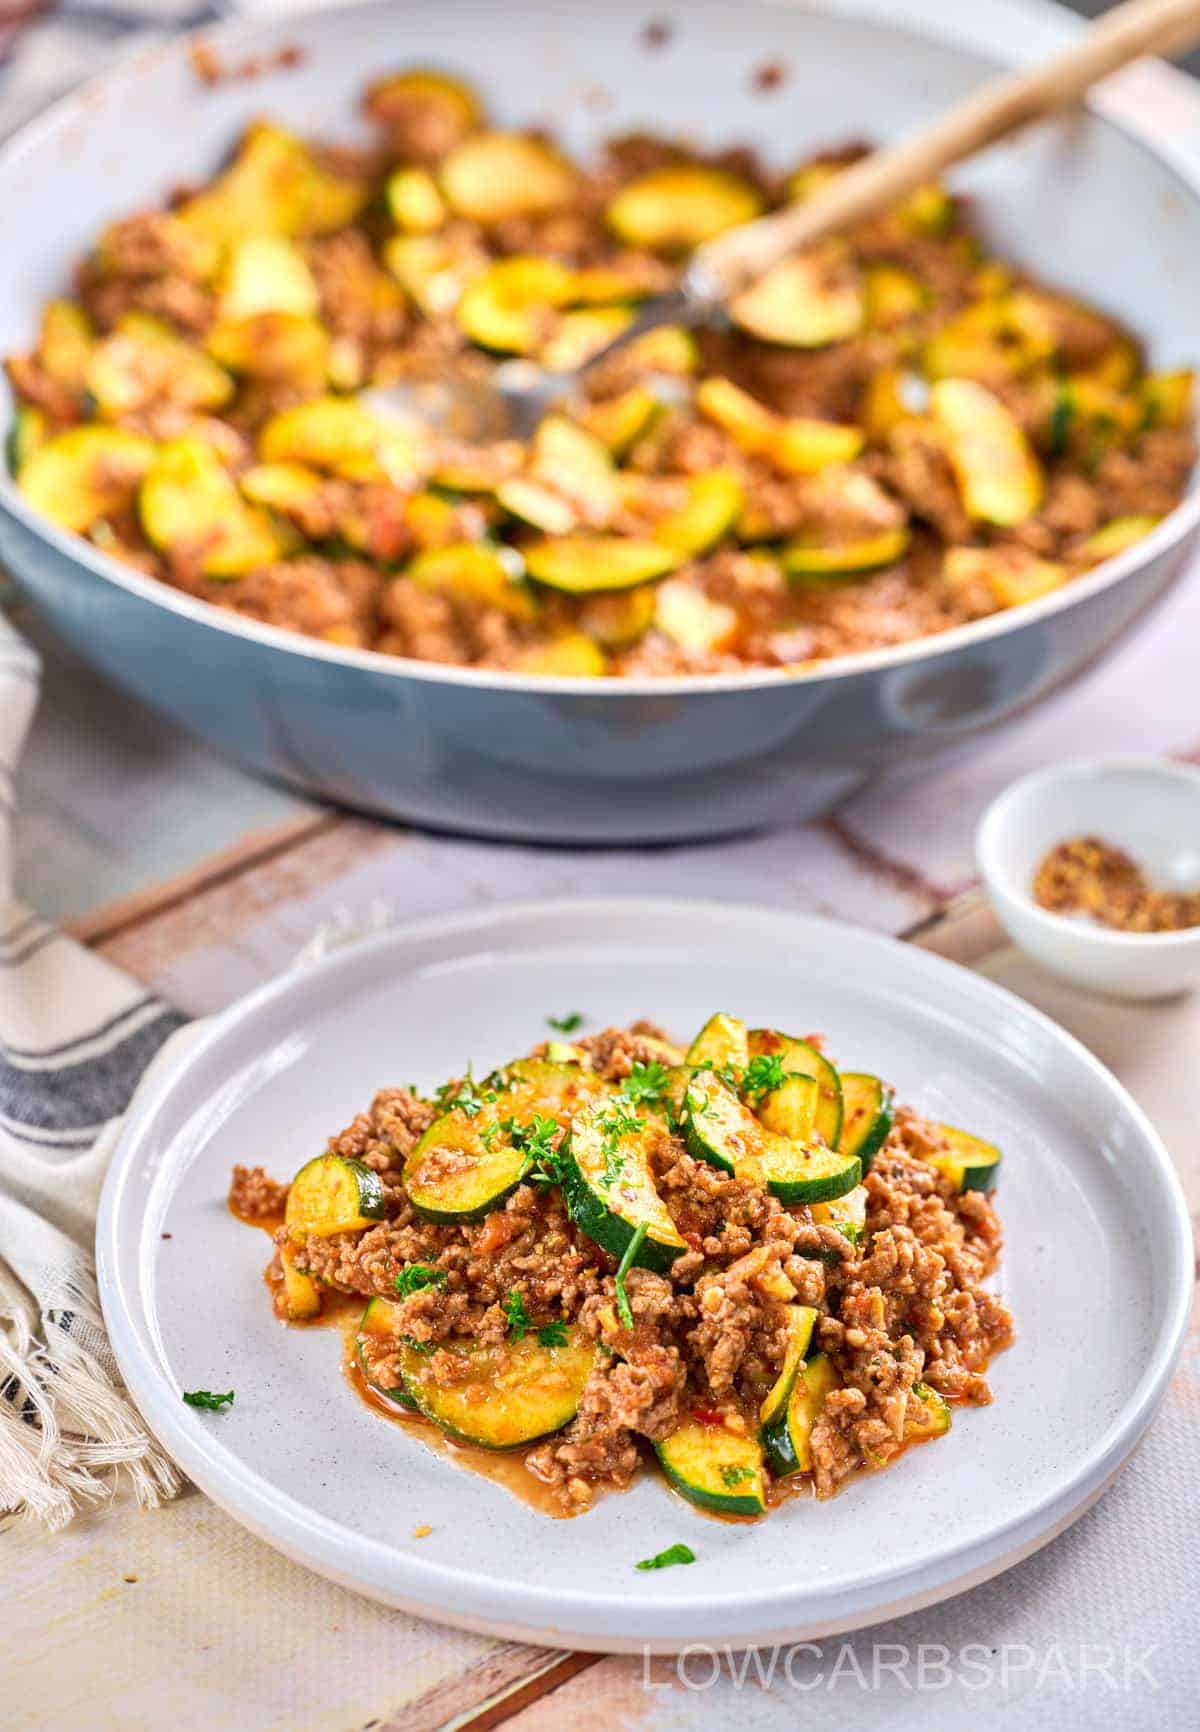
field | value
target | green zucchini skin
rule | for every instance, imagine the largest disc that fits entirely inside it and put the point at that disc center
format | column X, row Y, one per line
column 523, row 1090
column 497, row 1409
column 692, row 1459
column 331, row 1194
column 972, row 1164
column 610, row 1214
column 376, row 1319
column 498, row 1172
column 802, row 1321
column 719, row 1129
column 722, row 1043
column 788, row 1441
column 868, row 1114
column 803, row 1057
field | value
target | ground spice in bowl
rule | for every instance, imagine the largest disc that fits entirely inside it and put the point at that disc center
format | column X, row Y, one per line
column 1087, row 875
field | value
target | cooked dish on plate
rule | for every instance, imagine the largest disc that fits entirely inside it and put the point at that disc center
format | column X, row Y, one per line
column 896, row 434
column 735, row 1259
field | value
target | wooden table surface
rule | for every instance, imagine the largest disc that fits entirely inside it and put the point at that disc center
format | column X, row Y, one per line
column 202, row 883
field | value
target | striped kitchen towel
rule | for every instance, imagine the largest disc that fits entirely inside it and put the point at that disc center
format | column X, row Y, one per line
column 76, row 1037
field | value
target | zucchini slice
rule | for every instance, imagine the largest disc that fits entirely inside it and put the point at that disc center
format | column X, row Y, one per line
column 610, row 1189
column 510, row 307
column 714, row 1468
column 29, row 431
column 801, row 1322
column 571, row 654
column 1012, row 574
column 144, row 362
column 476, row 575
column 848, row 1214
column 672, row 210
column 819, row 565
column 804, row 302
column 692, row 619
column 289, row 346
column 927, row 1414
column 84, row 474
column 723, row 1043
column 65, row 344
column 998, row 476
column 493, row 176
column 468, row 1163
column 791, row 1109
column 301, row 1295
column 1167, row 397
column 893, row 295
column 1117, row 534
column 578, row 336
column 284, row 487
column 710, row 509
column 274, row 185
column 541, row 508
column 671, row 349
column 970, row 1162
column 267, row 274
column 788, row 1441
column 619, row 422
column 801, row 1057
column 570, row 461
column 333, row 1195
column 586, row 564
column 378, row 1337
column 720, row 1130
column 441, row 108
column 797, row 445
column 462, row 1168
column 867, row 1113
column 190, row 504
column 414, row 202
column 499, row 1397
column 621, row 617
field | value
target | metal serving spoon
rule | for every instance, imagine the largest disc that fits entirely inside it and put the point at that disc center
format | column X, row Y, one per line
column 518, row 394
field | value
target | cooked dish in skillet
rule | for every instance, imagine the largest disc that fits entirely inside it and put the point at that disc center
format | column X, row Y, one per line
column 897, row 433
column 737, row 1260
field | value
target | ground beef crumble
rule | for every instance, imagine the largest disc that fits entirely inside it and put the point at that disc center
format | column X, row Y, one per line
column 906, row 1305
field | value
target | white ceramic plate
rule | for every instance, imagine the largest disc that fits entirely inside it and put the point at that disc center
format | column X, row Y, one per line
column 1097, row 1272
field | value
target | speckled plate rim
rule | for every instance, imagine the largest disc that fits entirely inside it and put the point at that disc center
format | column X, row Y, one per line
column 582, row 1619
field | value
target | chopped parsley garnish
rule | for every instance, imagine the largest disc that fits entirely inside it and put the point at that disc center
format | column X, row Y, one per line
column 763, row 1073
column 678, row 1554
column 416, row 1277
column 645, row 1083
column 566, row 1024
column 462, row 1096
column 615, row 1122
column 552, row 1335
column 207, row 1400
column 623, row 1268
column 518, row 1319
column 731, row 1475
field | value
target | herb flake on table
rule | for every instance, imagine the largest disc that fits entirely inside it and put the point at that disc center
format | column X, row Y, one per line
column 676, row 1554
column 207, row 1401
column 566, row 1024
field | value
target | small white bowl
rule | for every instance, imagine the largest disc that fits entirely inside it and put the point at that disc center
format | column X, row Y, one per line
column 1146, row 806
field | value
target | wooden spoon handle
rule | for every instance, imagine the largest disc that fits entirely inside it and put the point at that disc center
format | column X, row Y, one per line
column 1000, row 108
